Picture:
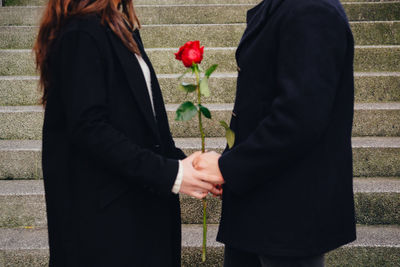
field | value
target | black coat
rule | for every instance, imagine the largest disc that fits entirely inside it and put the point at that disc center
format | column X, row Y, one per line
column 109, row 165
column 288, row 178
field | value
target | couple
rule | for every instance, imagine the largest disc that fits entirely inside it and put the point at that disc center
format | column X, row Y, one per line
column 112, row 172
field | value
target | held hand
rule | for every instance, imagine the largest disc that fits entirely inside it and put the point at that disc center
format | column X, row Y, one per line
column 195, row 183
column 208, row 163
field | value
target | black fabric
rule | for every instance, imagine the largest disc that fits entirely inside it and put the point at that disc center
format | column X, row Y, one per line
column 109, row 165
column 288, row 188
column 239, row 258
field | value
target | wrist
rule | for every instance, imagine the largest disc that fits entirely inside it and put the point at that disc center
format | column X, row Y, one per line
column 178, row 181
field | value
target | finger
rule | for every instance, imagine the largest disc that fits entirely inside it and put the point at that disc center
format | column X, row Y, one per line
column 200, row 164
column 196, row 162
column 204, row 186
column 216, row 191
column 198, row 194
column 214, row 179
column 194, row 155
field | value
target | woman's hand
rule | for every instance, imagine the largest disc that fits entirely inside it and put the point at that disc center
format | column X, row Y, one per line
column 197, row 183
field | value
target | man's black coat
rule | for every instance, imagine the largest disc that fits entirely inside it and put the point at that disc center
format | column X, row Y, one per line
column 109, row 165
column 288, row 178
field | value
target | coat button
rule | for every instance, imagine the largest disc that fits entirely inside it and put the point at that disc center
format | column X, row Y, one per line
column 157, row 146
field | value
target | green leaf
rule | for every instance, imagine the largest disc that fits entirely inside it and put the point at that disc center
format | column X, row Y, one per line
column 229, row 134
column 204, row 90
column 186, row 111
column 187, row 87
column 206, row 112
column 230, row 137
column 224, row 124
column 210, row 70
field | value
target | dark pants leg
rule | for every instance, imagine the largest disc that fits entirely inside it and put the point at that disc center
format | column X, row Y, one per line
column 238, row 258
column 318, row 261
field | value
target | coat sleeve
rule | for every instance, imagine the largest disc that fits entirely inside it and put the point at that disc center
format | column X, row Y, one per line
column 178, row 153
column 83, row 90
column 311, row 55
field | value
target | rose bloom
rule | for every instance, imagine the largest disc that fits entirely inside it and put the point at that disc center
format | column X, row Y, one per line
column 190, row 53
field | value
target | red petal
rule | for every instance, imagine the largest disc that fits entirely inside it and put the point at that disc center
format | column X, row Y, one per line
column 178, row 55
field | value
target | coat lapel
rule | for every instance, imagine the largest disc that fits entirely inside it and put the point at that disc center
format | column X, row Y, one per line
column 154, row 83
column 256, row 19
column 137, row 83
column 159, row 106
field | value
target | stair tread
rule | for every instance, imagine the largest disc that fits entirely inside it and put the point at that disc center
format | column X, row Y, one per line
column 217, row 107
column 226, row 48
column 214, row 75
column 210, row 24
column 371, row 142
column 36, row 239
column 211, row 143
column 361, row 185
column 372, row 3
column 345, row 3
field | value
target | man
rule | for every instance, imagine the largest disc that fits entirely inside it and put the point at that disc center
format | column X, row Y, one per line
column 288, row 197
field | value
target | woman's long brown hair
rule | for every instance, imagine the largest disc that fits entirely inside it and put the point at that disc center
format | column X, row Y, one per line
column 58, row 12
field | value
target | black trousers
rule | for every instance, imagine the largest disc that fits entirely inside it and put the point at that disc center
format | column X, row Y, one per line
column 238, row 258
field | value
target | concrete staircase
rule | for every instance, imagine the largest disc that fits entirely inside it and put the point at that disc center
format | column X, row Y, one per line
column 219, row 25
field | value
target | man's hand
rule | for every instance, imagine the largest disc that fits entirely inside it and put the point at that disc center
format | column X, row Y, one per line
column 196, row 183
column 208, row 163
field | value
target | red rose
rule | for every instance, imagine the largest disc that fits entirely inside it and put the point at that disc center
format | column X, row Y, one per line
column 190, row 53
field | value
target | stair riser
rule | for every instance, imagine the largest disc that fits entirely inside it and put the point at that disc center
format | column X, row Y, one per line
column 367, row 59
column 377, row 208
column 367, row 162
column 22, row 210
column 191, row 256
column 28, row 125
column 186, row 14
column 359, row 256
column 376, row 88
column 21, row 164
column 165, row 2
column 30, row 210
column 21, row 92
column 370, row 162
column 377, row 33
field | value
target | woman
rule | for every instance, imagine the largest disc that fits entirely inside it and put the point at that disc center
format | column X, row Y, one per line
column 109, row 161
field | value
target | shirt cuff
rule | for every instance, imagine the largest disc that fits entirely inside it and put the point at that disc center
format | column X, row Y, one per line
column 178, row 181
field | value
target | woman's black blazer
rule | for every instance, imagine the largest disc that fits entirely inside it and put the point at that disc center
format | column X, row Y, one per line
column 108, row 163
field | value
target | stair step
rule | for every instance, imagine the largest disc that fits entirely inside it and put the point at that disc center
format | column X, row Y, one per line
column 167, row 2
column 376, row 246
column 372, row 156
column 205, row 13
column 367, row 59
column 369, row 87
column 210, row 35
column 370, row 119
column 22, row 204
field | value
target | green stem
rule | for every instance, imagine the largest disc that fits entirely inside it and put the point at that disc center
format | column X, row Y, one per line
column 203, row 149
column 203, row 256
